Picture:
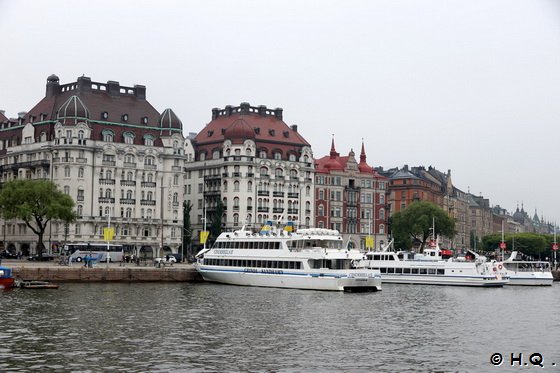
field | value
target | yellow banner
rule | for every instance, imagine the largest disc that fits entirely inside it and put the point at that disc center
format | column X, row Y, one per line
column 204, row 236
column 369, row 242
column 108, row 234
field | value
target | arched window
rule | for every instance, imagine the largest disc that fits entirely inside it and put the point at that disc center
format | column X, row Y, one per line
column 175, row 179
column 321, row 194
column 236, row 186
column 129, row 212
column 175, row 197
column 321, row 211
column 308, row 191
column 264, row 171
column 108, row 175
column 129, row 194
column 293, row 174
column 108, row 193
column 279, row 172
column 150, row 178
column 66, row 171
column 249, row 186
column 236, row 202
column 79, row 210
column 381, row 213
column 129, row 176
column 149, row 195
column 107, row 211
column 235, row 219
column 382, row 199
column 81, row 172
column 249, row 202
column 381, row 228
column 108, row 135
column 148, row 140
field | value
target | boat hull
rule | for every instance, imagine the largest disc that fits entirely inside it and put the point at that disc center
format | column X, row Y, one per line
column 444, row 280
column 531, row 280
column 6, row 283
column 293, row 280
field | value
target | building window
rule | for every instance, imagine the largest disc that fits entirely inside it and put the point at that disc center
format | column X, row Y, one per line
column 67, row 171
column 149, row 140
column 81, row 172
column 108, row 135
column 66, row 189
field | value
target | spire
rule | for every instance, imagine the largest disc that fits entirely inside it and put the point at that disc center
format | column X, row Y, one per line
column 333, row 153
column 363, row 153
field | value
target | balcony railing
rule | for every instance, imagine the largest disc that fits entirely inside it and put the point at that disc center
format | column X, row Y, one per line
column 106, row 200
column 293, row 195
column 127, row 201
column 107, row 163
column 262, row 209
column 278, row 210
column 148, row 184
column 129, row 164
column 128, row 183
column 263, row 193
column 150, row 166
column 278, row 194
column 147, row 202
column 107, row 181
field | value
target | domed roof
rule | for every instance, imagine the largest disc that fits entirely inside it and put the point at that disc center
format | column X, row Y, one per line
column 52, row 78
column 168, row 119
column 239, row 130
column 72, row 110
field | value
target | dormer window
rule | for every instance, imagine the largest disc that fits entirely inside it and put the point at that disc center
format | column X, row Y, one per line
column 149, row 140
column 145, row 120
column 271, row 132
column 125, row 117
column 128, row 137
column 104, row 115
column 210, row 133
column 257, row 130
column 108, row 135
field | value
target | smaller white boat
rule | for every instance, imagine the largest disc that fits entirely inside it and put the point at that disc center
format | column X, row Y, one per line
column 434, row 266
column 526, row 272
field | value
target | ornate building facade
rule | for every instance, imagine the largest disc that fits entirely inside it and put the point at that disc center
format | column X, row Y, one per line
column 351, row 198
column 257, row 166
column 108, row 148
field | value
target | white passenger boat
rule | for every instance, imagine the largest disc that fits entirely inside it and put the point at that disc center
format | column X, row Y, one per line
column 434, row 267
column 525, row 272
column 306, row 259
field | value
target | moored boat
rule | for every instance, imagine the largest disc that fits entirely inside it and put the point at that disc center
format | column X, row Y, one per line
column 37, row 285
column 526, row 272
column 312, row 259
column 6, row 278
column 433, row 267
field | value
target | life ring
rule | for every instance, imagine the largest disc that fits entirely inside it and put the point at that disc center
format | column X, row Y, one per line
column 495, row 269
column 500, row 266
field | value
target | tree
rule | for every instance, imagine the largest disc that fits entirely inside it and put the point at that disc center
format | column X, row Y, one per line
column 532, row 244
column 187, row 230
column 36, row 202
column 414, row 224
column 216, row 222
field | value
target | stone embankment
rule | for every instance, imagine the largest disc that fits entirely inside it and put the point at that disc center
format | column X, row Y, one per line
column 556, row 275
column 102, row 273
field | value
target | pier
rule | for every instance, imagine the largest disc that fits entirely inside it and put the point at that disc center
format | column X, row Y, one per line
column 48, row 271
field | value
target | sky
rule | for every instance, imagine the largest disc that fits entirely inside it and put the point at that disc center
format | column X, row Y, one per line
column 461, row 85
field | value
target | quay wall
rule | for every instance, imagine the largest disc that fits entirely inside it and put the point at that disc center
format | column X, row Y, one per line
column 112, row 274
column 556, row 275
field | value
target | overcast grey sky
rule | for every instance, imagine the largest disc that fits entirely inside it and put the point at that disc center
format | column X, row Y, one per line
column 471, row 86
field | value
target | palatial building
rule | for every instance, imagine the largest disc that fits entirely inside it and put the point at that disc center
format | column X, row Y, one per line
column 351, row 198
column 108, row 148
column 260, row 169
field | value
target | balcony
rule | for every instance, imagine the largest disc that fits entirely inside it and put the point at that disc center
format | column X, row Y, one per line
column 249, row 208
column 150, row 167
column 278, row 210
column 293, row 195
column 212, row 177
column 107, row 181
column 293, row 211
column 80, row 198
column 128, row 183
column 127, row 201
column 211, row 192
column 262, row 209
column 108, row 163
column 278, row 194
column 263, row 193
column 176, row 168
column 148, row 184
column 81, row 160
column 129, row 164
column 147, row 202
column 106, row 200
column 236, row 174
column 250, row 174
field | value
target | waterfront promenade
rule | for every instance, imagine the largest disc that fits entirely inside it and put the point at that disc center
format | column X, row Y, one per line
column 101, row 272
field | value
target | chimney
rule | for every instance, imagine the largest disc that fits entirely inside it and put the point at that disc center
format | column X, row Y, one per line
column 53, row 86
column 262, row 110
column 278, row 113
column 294, row 127
column 113, row 88
column 84, row 84
column 140, row 91
column 244, row 107
column 215, row 113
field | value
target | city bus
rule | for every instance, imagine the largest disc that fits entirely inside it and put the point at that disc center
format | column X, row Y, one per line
column 97, row 251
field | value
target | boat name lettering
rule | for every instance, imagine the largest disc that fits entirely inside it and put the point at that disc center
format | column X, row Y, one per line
column 250, row 270
column 273, row 271
column 223, row 252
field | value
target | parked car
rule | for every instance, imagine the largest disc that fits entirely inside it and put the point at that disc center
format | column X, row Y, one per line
column 7, row 255
column 166, row 260
column 43, row 258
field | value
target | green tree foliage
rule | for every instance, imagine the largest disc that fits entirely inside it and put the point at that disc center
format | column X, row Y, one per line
column 36, row 202
column 532, row 244
column 216, row 222
column 187, row 229
column 413, row 225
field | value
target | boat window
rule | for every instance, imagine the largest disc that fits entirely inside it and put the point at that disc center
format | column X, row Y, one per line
column 400, row 256
column 398, row 270
column 431, row 271
column 414, row 271
column 406, row 271
column 441, row 271
column 391, row 257
column 390, row 270
column 383, row 270
column 423, row 271
column 377, row 257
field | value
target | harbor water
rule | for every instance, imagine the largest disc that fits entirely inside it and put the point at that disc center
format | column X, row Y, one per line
column 162, row 327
